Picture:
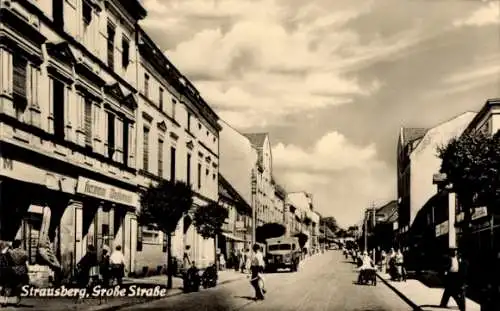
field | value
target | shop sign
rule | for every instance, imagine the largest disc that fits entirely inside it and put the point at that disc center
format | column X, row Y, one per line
column 106, row 192
column 479, row 212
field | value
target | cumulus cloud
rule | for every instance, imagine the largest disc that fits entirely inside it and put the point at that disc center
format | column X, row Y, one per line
column 343, row 176
column 486, row 15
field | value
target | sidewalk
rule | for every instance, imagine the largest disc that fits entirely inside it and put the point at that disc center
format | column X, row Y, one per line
column 115, row 303
column 421, row 297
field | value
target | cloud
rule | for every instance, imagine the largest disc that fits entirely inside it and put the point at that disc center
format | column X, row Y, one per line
column 486, row 15
column 344, row 177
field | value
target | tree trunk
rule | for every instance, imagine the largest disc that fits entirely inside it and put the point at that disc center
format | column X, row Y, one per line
column 170, row 271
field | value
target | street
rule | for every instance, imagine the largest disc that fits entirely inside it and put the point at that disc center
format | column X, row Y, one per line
column 324, row 282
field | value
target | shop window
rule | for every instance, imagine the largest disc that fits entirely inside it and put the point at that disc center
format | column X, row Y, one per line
column 151, row 236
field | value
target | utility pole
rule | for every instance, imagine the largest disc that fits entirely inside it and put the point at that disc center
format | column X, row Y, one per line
column 254, row 206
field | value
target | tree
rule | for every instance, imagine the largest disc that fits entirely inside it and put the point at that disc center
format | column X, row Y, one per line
column 302, row 239
column 307, row 221
column 164, row 205
column 209, row 219
column 330, row 222
column 268, row 231
column 471, row 163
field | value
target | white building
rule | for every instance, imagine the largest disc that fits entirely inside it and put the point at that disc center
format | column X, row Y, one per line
column 424, row 162
column 67, row 174
column 178, row 139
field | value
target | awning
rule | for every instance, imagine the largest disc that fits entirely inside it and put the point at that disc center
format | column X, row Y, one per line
column 232, row 237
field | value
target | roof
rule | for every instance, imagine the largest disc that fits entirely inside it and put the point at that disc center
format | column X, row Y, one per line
column 226, row 191
column 413, row 133
column 490, row 103
column 257, row 139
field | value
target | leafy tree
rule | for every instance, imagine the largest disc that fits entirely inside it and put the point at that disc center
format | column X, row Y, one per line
column 471, row 163
column 307, row 221
column 302, row 239
column 268, row 231
column 164, row 205
column 330, row 222
column 209, row 219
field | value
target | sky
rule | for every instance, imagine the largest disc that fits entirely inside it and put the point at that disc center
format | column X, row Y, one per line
column 332, row 81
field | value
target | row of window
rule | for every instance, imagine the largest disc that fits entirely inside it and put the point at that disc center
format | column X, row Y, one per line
column 173, row 156
column 117, row 129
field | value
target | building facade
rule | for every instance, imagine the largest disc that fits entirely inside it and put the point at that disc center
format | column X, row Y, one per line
column 178, row 139
column 68, row 175
column 237, row 234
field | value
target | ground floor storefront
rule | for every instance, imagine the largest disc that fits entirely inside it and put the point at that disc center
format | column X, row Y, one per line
column 57, row 212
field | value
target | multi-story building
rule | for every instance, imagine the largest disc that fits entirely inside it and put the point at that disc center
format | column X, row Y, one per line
column 263, row 199
column 67, row 114
column 279, row 204
column 178, row 139
column 422, row 164
column 302, row 201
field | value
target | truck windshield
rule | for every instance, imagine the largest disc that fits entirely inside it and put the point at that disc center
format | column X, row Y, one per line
column 280, row 247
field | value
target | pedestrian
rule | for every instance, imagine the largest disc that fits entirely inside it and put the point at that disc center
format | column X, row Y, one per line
column 20, row 275
column 222, row 262
column 454, row 281
column 256, row 270
column 382, row 263
column 88, row 261
column 5, row 272
column 117, row 264
column 104, row 266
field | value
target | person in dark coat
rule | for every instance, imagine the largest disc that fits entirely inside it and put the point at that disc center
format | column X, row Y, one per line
column 5, row 272
column 455, row 272
column 104, row 267
column 88, row 261
column 20, row 275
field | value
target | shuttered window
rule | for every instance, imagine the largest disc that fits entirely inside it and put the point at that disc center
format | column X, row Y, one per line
column 111, row 135
column 111, row 46
column 58, row 106
column 88, row 122
column 19, row 77
column 125, row 142
column 160, row 158
column 145, row 149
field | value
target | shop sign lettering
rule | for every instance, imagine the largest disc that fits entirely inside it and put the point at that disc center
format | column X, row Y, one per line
column 8, row 164
column 106, row 192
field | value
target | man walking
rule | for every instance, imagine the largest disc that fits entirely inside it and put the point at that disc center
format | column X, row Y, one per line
column 455, row 281
column 256, row 270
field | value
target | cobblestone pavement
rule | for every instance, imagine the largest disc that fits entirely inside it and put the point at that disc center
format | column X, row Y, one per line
column 324, row 282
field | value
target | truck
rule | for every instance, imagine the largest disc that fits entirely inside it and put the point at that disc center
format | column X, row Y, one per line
column 283, row 253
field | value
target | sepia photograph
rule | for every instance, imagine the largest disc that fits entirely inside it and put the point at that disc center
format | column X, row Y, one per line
column 249, row 155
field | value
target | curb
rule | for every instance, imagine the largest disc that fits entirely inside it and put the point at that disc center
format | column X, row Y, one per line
column 400, row 294
column 173, row 292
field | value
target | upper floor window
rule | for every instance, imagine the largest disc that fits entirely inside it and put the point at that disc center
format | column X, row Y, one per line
column 20, row 66
column 160, row 158
column 87, row 14
column 111, row 134
column 111, row 45
column 88, row 122
column 188, row 173
column 145, row 149
column 199, row 176
column 172, row 163
column 146, row 85
column 58, row 97
column 161, row 98
column 189, row 122
column 58, row 12
column 125, row 52
column 174, row 108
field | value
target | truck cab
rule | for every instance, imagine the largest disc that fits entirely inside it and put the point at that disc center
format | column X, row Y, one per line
column 283, row 253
